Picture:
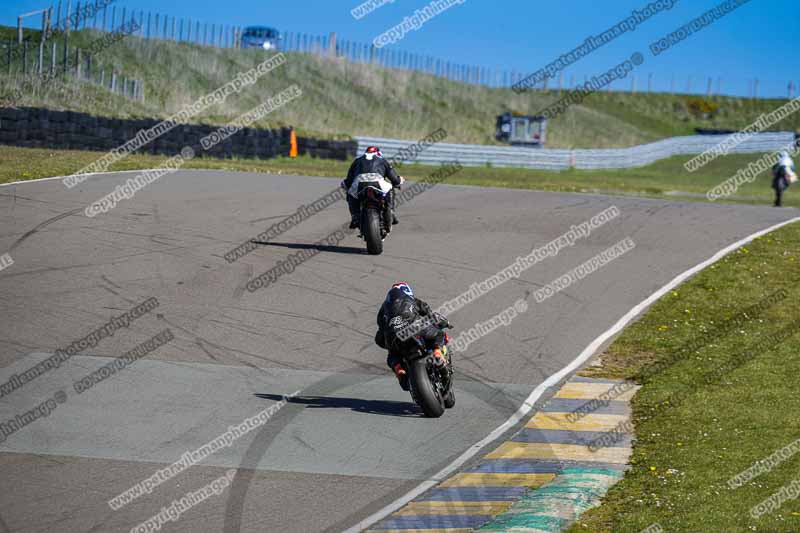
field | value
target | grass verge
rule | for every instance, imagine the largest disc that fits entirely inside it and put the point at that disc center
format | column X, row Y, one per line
column 656, row 180
column 719, row 394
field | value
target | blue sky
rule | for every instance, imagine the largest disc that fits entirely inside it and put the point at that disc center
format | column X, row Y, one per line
column 759, row 40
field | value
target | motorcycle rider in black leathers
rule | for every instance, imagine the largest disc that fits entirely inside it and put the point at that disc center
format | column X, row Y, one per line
column 372, row 162
column 398, row 312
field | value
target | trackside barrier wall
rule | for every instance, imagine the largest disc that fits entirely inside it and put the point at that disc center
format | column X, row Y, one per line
column 547, row 159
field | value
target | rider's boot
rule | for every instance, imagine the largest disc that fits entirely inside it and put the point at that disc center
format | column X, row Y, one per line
column 438, row 356
column 402, row 376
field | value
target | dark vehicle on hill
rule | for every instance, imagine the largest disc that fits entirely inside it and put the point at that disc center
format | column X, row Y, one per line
column 521, row 130
column 261, row 37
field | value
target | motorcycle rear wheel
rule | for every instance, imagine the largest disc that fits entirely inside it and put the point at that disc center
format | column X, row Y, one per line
column 426, row 394
column 372, row 232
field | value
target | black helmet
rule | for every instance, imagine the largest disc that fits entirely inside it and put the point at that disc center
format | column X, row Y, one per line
column 400, row 301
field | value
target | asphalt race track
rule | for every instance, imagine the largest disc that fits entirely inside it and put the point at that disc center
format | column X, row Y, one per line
column 352, row 441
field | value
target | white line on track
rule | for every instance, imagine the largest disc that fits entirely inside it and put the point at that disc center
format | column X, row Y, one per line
column 528, row 404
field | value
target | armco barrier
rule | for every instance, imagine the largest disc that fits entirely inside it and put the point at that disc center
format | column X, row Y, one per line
column 635, row 156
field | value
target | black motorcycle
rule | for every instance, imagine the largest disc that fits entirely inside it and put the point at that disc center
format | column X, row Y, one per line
column 376, row 217
column 430, row 378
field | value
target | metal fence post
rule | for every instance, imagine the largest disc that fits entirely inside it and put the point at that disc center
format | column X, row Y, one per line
column 53, row 59
column 41, row 57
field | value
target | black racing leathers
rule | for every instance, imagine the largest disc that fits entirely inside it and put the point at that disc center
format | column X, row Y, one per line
column 376, row 165
column 780, row 182
column 393, row 330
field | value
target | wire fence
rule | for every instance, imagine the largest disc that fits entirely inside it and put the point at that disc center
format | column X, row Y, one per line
column 549, row 159
column 57, row 60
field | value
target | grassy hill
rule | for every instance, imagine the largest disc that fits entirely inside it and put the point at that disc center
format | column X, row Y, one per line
column 341, row 98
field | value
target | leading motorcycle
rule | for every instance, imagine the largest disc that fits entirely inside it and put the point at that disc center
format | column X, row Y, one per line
column 372, row 191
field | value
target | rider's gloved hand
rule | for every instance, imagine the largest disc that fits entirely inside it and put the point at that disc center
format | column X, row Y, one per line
column 343, row 184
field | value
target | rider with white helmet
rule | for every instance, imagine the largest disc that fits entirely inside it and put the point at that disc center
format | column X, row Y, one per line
column 372, row 162
column 783, row 175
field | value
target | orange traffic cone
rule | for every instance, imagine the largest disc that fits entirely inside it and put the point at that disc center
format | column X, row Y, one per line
column 292, row 144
